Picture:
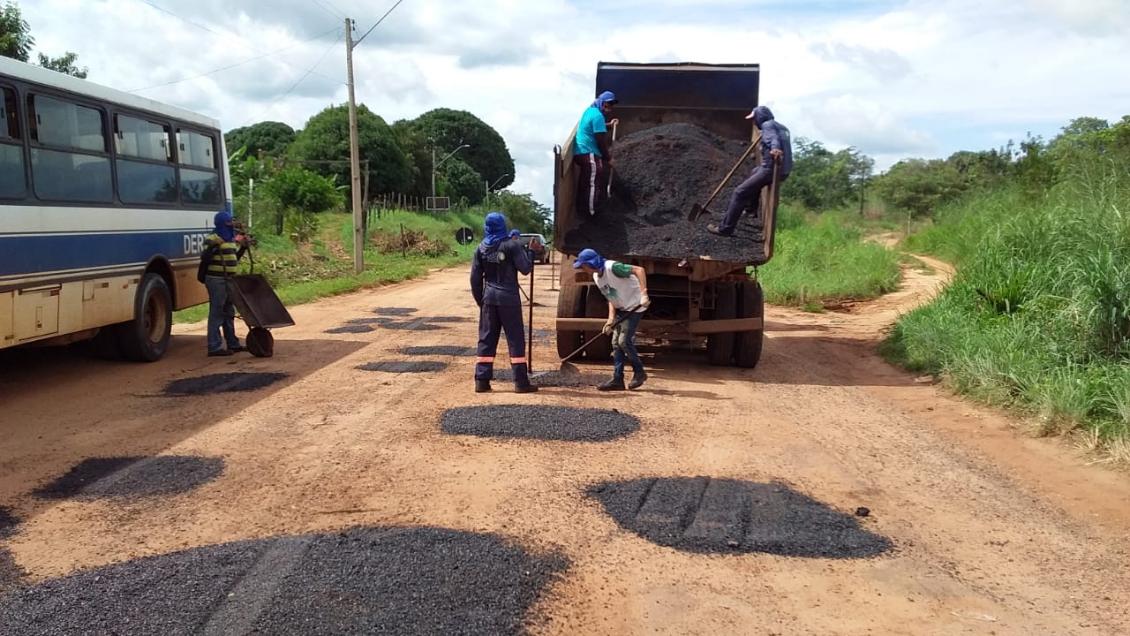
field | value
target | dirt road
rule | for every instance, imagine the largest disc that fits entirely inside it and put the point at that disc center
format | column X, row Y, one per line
column 973, row 528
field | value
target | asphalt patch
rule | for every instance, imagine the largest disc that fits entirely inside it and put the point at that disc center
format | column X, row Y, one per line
column 404, row 366
column 222, row 383
column 133, row 477
column 661, row 172
column 725, row 516
column 8, row 523
column 359, row 581
column 394, row 311
column 10, row 573
column 350, row 329
column 553, row 423
column 416, row 324
column 440, row 350
column 553, row 378
column 447, row 319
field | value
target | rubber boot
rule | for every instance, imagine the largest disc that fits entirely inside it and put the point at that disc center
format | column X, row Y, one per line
column 525, row 388
column 482, row 386
column 522, row 379
column 638, row 379
column 615, row 384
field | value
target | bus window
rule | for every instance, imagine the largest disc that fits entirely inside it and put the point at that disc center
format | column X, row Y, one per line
column 199, row 188
column 150, row 178
column 13, row 182
column 196, row 150
column 79, row 171
column 65, row 125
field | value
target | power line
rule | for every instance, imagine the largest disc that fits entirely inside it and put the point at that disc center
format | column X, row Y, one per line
column 290, row 90
column 164, row 10
column 240, row 63
column 393, row 8
column 328, row 9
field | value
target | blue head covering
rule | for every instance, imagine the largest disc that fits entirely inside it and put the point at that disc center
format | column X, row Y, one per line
column 607, row 97
column 494, row 229
column 760, row 115
column 515, row 233
column 224, row 229
column 591, row 258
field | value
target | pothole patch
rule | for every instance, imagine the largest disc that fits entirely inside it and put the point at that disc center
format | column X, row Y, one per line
column 222, row 383
column 394, row 311
column 554, row 423
column 553, row 378
column 447, row 319
column 10, row 573
column 417, row 324
column 350, row 329
column 440, row 350
column 8, row 523
column 359, row 581
column 133, row 477
column 404, row 366
column 720, row 516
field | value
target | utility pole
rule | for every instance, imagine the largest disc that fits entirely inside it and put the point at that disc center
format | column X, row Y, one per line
column 354, row 158
column 433, row 172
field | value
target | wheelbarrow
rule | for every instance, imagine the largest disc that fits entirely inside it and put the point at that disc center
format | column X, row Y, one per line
column 260, row 308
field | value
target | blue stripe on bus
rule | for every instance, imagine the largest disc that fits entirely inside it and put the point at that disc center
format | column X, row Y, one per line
column 51, row 253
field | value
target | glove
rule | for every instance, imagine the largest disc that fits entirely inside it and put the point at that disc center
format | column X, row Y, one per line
column 607, row 329
column 645, row 301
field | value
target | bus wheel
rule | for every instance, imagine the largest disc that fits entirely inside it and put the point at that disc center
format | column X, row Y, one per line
column 146, row 337
column 260, row 342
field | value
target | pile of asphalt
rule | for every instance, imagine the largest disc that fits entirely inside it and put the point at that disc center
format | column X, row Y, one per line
column 360, row 581
column 552, row 423
column 133, row 477
column 404, row 366
column 350, row 329
column 394, row 311
column 720, row 516
column 440, row 350
column 222, row 383
column 554, row 378
column 660, row 174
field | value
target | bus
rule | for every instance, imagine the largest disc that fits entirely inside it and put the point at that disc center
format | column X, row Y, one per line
column 105, row 201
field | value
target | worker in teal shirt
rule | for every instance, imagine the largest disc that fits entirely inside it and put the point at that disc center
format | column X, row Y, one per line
column 591, row 154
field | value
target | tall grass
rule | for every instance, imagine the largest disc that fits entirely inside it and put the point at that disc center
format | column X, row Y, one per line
column 1038, row 316
column 823, row 260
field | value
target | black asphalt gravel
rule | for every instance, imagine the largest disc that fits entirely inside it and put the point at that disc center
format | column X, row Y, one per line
column 718, row 516
column 555, row 423
column 10, row 575
column 411, row 324
column 440, row 350
column 446, row 319
column 350, row 329
column 360, row 581
column 404, row 366
column 8, row 523
column 222, row 383
column 394, row 311
column 660, row 174
column 131, row 477
column 553, row 378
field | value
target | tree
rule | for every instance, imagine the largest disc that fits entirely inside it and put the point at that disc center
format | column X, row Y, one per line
column 487, row 154
column 523, row 212
column 461, row 182
column 326, row 138
column 299, row 194
column 15, row 34
column 417, row 150
column 267, row 137
column 63, row 64
column 822, row 179
column 919, row 186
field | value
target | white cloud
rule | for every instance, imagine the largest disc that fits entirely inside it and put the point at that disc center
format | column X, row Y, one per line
column 891, row 77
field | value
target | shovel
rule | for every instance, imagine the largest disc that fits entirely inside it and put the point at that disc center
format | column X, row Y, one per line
column 699, row 210
column 615, row 125
column 569, row 370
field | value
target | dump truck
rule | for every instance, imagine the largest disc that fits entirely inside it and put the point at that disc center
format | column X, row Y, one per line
column 693, row 299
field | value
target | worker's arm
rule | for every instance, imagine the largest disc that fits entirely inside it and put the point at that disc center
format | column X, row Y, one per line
column 521, row 258
column 611, row 319
column 770, row 136
column 477, row 279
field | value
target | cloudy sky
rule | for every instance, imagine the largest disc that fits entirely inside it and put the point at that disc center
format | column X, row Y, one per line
column 894, row 78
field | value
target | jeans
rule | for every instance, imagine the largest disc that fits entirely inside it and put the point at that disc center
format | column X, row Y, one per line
column 221, row 314
column 624, row 345
column 747, row 196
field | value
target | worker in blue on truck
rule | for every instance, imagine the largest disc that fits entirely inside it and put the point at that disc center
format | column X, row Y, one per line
column 776, row 145
column 494, row 285
column 591, row 154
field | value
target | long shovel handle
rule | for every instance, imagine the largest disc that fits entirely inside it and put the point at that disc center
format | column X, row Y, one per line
column 730, row 175
column 530, row 341
column 619, row 320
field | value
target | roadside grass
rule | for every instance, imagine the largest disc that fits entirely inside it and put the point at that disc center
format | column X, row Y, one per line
column 824, row 260
column 324, row 266
column 1038, row 317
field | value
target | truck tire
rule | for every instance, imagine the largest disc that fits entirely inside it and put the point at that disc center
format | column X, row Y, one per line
column 751, row 304
column 597, row 307
column 146, row 337
column 720, row 346
column 570, row 304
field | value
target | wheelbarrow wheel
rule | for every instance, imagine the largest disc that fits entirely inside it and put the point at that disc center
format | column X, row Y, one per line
column 260, row 342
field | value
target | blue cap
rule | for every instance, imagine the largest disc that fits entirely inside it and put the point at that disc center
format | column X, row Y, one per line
column 589, row 257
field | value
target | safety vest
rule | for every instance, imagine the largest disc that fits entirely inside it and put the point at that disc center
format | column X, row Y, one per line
column 225, row 260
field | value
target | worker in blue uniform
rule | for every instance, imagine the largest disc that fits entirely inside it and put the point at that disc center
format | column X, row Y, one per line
column 776, row 146
column 494, row 284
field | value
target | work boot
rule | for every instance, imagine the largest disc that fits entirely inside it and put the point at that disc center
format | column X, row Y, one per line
column 219, row 353
column 525, row 388
column 615, row 384
column 714, row 229
column 638, row 379
column 482, row 386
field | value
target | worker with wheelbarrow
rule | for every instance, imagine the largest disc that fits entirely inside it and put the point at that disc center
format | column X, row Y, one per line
column 625, row 288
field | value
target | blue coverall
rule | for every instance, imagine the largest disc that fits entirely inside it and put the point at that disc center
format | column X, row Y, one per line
column 494, row 284
column 774, row 136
